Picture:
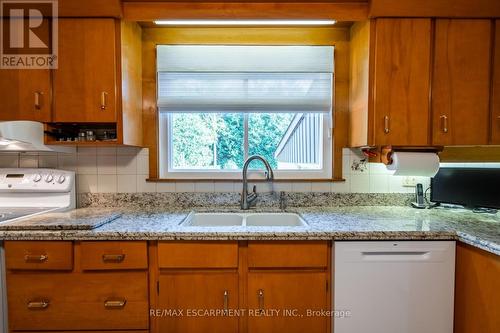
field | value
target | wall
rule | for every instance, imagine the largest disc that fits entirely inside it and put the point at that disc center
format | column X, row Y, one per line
column 125, row 169
column 336, row 36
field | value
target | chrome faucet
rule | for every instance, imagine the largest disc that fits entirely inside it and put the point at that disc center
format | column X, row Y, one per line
column 248, row 200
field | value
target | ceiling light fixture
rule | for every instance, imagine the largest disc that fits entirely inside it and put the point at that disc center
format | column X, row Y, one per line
column 244, row 22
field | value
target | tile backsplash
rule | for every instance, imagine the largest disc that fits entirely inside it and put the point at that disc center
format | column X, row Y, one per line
column 125, row 170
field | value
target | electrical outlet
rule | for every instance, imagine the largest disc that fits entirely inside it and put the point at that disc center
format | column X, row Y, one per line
column 409, row 181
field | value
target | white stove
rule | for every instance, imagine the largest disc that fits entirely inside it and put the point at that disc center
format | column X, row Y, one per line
column 29, row 192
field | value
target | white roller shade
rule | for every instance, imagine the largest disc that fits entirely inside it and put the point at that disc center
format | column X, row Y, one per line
column 245, row 78
column 224, row 58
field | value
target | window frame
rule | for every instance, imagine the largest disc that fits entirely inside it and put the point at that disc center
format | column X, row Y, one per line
column 165, row 154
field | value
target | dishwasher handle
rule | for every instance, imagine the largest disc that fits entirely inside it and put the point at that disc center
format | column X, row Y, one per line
column 395, row 255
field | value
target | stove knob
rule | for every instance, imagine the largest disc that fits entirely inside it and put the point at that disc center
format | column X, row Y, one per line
column 49, row 178
column 61, row 179
column 37, row 178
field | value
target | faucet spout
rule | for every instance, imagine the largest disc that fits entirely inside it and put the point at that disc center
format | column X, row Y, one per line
column 247, row 200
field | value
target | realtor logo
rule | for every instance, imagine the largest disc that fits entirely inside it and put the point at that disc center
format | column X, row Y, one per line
column 28, row 34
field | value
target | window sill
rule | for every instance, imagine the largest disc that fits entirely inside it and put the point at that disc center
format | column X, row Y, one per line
column 172, row 180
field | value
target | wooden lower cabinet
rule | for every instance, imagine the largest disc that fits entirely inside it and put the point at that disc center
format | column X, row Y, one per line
column 197, row 301
column 251, row 280
column 281, row 301
column 477, row 290
column 73, row 301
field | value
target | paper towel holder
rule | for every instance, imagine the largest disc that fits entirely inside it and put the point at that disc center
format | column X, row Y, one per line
column 384, row 153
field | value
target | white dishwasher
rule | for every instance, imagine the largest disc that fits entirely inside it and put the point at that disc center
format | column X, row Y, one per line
column 394, row 286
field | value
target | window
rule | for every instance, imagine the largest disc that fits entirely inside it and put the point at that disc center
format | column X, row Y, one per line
column 220, row 104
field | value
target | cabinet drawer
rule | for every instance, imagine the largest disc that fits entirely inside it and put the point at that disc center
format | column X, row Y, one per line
column 186, row 254
column 89, row 332
column 114, row 255
column 39, row 255
column 79, row 301
column 288, row 254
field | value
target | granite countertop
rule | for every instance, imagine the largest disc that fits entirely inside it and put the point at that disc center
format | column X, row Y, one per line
column 324, row 223
column 77, row 219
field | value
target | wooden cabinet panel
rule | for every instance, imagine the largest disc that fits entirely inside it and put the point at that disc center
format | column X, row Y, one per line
column 495, row 114
column 461, row 82
column 114, row 255
column 287, row 290
column 65, row 301
column 477, row 290
column 401, row 82
column 38, row 255
column 287, row 254
column 203, row 254
column 200, row 291
column 86, row 79
column 89, row 331
column 25, row 94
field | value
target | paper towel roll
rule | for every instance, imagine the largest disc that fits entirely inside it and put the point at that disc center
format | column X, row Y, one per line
column 414, row 164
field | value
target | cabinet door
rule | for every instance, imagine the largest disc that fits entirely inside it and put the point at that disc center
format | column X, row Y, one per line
column 461, row 82
column 279, row 301
column 85, row 81
column 401, row 82
column 197, row 301
column 477, row 290
column 25, row 94
column 495, row 120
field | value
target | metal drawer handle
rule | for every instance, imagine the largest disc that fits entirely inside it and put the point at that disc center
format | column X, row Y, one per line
column 444, row 120
column 260, row 295
column 104, row 97
column 38, row 100
column 226, row 301
column 113, row 258
column 36, row 258
column 35, row 305
column 115, row 304
column 387, row 129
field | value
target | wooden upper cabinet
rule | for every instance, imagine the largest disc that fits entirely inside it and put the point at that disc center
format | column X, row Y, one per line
column 461, row 82
column 85, row 82
column 401, row 82
column 25, row 94
column 495, row 114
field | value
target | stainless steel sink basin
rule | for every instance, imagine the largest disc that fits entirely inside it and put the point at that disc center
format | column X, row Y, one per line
column 243, row 220
column 275, row 220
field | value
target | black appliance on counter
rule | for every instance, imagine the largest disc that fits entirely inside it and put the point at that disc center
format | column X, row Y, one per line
column 470, row 187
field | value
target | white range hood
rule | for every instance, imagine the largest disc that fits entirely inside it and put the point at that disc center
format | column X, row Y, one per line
column 22, row 136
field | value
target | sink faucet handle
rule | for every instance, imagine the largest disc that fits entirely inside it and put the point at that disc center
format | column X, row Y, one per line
column 254, row 189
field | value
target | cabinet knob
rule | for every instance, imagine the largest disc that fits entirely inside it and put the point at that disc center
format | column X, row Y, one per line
column 387, row 128
column 115, row 304
column 104, row 100
column 260, row 295
column 226, row 301
column 113, row 257
column 37, row 305
column 444, row 123
column 36, row 258
column 38, row 100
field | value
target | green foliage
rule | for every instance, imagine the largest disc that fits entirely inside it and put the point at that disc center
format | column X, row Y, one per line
column 210, row 140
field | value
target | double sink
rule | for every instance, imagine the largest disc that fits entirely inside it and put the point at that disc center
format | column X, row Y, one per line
column 195, row 219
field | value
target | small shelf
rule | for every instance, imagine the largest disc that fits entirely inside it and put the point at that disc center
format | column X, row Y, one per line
column 85, row 143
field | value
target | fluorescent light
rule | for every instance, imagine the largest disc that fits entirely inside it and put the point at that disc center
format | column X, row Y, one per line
column 244, row 22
